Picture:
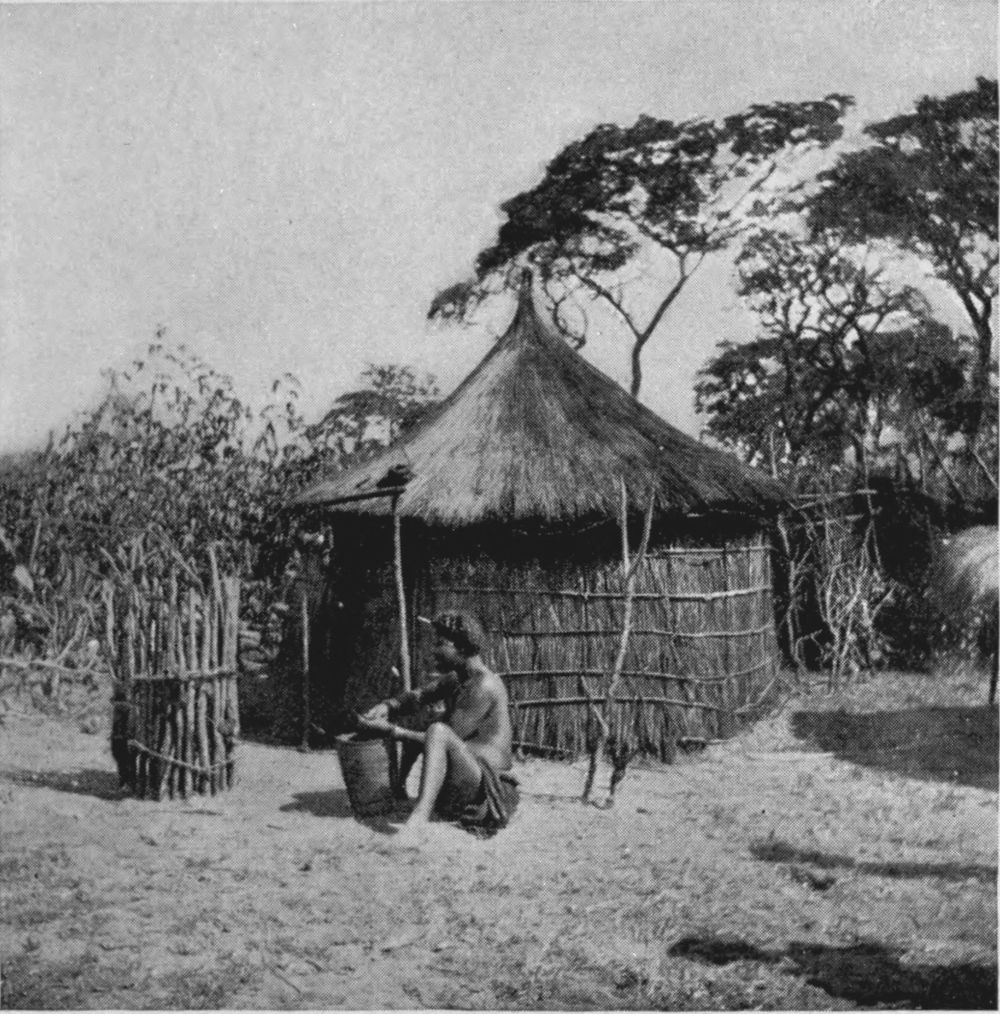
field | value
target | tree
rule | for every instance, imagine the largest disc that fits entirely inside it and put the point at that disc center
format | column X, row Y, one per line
column 841, row 357
column 657, row 197
column 390, row 402
column 928, row 182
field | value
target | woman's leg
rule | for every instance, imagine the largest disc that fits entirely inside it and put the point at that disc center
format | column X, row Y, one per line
column 448, row 761
column 409, row 755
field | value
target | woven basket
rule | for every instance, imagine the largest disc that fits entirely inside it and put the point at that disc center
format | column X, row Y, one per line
column 366, row 765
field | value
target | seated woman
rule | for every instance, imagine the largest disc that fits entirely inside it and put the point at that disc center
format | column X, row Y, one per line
column 468, row 752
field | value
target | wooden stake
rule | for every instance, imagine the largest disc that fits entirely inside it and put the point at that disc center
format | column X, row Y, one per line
column 191, row 739
column 192, row 631
column 190, row 735
column 212, row 631
column 149, row 741
column 218, row 773
column 609, row 727
column 306, row 714
column 205, row 760
column 206, row 622
column 162, row 742
column 234, row 697
column 108, row 598
column 141, row 759
column 404, row 636
column 230, row 710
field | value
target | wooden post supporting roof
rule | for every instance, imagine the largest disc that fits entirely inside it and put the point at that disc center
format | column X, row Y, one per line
column 404, row 635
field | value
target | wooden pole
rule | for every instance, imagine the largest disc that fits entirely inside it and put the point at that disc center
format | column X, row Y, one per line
column 218, row 773
column 132, row 688
column 108, row 597
column 206, row 622
column 171, row 670
column 219, row 747
column 205, row 758
column 404, row 635
column 191, row 738
column 612, row 723
column 306, row 709
column 231, row 713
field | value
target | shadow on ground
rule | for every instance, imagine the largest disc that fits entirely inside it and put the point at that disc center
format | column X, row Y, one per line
column 775, row 851
column 85, row 782
column 56, row 985
column 336, row 803
column 865, row 972
column 950, row 744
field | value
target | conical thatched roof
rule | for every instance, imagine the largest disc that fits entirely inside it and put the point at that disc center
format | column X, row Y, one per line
column 537, row 434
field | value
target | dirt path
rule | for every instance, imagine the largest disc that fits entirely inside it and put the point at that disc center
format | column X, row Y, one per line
column 770, row 872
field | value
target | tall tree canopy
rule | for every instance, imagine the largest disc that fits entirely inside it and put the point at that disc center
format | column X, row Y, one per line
column 841, row 357
column 659, row 194
column 928, row 182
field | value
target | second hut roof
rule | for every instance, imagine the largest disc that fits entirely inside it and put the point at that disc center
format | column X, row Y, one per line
column 537, row 434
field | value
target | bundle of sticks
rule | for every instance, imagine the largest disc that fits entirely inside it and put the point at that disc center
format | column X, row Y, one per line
column 176, row 720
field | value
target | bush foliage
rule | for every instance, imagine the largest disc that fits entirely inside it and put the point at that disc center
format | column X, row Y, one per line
column 174, row 454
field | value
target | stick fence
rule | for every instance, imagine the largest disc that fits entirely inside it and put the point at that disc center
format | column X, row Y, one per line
column 173, row 649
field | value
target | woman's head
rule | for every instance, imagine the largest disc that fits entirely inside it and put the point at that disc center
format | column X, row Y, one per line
column 463, row 630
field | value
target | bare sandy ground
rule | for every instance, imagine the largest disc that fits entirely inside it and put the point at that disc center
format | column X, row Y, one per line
column 814, row 862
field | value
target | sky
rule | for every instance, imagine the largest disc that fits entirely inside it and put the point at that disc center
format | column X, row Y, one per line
column 284, row 187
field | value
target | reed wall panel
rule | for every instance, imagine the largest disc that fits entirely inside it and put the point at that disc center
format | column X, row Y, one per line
column 702, row 651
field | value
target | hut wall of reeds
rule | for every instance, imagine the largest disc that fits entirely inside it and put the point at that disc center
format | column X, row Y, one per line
column 509, row 504
column 701, row 655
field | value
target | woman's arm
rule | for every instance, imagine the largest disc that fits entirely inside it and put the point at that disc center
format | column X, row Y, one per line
column 436, row 690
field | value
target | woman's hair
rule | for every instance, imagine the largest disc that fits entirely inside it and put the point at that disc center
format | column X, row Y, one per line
column 463, row 630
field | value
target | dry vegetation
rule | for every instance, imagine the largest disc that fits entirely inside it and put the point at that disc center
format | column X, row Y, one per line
column 839, row 855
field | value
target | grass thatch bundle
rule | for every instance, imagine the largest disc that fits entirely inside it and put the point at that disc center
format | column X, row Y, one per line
column 964, row 585
column 536, row 434
column 967, row 571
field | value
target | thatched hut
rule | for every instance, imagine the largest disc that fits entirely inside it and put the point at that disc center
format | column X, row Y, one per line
column 511, row 510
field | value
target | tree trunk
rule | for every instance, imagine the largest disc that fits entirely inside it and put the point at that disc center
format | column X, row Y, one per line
column 980, row 380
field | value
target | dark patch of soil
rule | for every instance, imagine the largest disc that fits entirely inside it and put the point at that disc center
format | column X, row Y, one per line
column 864, row 972
column 949, row 744
column 774, row 851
